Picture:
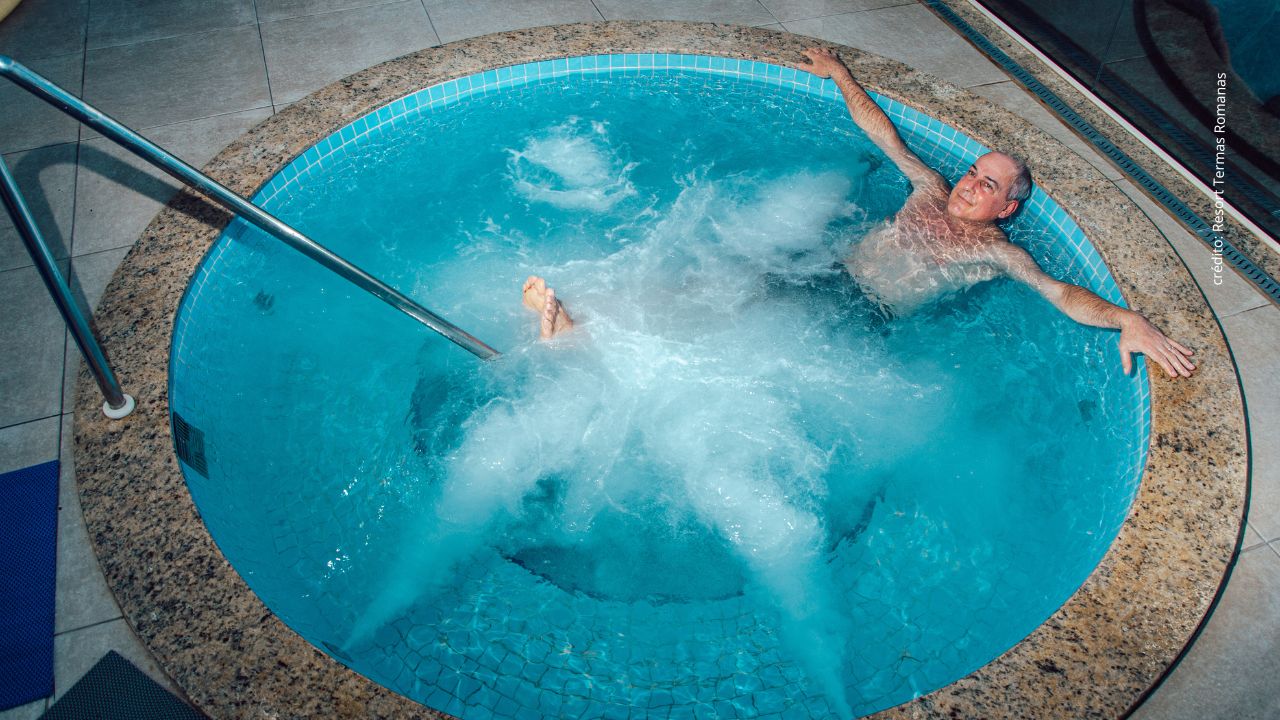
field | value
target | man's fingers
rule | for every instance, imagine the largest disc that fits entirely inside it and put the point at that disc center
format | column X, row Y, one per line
column 1126, row 360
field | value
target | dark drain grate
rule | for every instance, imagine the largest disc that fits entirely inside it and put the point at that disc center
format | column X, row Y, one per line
column 1215, row 241
column 188, row 443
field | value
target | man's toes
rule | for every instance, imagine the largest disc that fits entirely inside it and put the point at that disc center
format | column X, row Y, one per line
column 534, row 293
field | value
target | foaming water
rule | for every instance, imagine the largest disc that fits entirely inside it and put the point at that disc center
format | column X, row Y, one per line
column 570, row 169
column 733, row 482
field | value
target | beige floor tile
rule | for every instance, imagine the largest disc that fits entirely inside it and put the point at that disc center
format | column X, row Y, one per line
column 76, row 652
column 82, row 598
column 28, row 122
column 788, row 10
column 118, row 194
column 47, row 179
column 89, row 279
column 1226, row 291
column 458, row 19
column 121, row 22
column 44, row 28
column 30, row 711
column 28, row 444
column 737, row 12
column 304, row 54
column 271, row 10
column 1230, row 672
column 910, row 34
column 161, row 82
column 1255, row 341
column 31, row 349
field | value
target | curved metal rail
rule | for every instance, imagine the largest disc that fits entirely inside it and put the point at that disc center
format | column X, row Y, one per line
column 152, row 153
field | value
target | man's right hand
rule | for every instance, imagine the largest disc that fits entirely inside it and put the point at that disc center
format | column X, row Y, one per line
column 824, row 63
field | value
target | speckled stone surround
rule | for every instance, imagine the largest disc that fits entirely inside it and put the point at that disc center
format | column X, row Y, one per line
column 1093, row 658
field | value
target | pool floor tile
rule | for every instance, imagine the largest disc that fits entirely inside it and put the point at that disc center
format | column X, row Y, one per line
column 120, row 22
column 160, row 82
column 117, row 193
column 788, row 10
column 458, row 19
column 910, row 34
column 31, row 348
column 76, row 652
column 740, row 12
column 89, row 277
column 47, row 178
column 44, row 28
column 303, row 55
column 271, row 10
column 1230, row 672
column 30, row 711
column 83, row 598
column 27, row 122
column 1254, row 336
column 29, row 443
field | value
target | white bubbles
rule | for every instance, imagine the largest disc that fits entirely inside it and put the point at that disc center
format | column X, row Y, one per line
column 571, row 166
column 786, row 216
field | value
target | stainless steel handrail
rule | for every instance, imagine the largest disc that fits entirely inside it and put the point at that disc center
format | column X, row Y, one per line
column 118, row 404
column 145, row 149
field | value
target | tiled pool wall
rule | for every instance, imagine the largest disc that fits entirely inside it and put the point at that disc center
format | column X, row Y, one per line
column 938, row 144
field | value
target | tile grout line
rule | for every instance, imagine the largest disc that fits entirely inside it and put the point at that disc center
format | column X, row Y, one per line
column 188, row 120
column 32, row 420
column 769, row 12
column 175, row 36
column 262, row 46
column 92, row 625
column 71, row 236
column 1263, row 304
column 904, row 3
column 430, row 23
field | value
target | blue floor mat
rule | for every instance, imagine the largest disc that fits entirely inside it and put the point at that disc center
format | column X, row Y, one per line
column 28, row 552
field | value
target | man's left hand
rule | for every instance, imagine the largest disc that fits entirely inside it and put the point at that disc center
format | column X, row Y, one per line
column 1137, row 334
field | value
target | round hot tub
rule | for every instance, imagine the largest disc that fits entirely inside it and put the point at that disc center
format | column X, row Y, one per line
column 740, row 486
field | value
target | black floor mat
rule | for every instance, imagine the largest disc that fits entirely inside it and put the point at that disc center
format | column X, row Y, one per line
column 116, row 690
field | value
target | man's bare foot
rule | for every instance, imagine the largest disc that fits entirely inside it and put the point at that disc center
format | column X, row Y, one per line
column 542, row 300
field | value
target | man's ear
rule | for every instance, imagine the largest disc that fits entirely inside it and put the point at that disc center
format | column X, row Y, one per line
column 1010, row 208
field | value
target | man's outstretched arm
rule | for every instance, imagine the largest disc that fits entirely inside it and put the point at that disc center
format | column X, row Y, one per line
column 1137, row 334
column 868, row 116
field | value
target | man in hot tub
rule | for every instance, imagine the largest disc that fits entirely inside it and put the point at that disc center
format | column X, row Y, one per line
column 944, row 239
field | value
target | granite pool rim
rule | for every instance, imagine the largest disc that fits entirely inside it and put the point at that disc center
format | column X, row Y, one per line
column 1095, row 656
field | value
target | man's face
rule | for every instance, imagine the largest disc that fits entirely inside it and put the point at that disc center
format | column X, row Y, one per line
column 982, row 195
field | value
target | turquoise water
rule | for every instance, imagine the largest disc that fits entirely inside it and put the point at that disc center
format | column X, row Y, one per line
column 737, row 489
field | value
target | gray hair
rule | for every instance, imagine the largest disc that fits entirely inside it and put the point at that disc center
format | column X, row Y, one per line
column 1020, row 188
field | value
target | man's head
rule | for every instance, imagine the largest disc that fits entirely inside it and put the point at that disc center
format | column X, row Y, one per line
column 992, row 189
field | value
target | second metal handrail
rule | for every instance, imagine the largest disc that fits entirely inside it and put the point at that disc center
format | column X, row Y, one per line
column 152, row 153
